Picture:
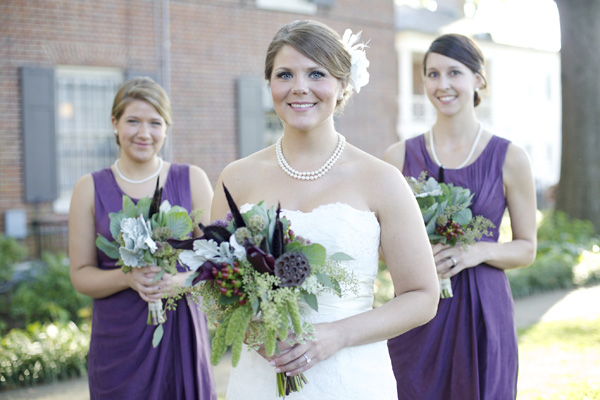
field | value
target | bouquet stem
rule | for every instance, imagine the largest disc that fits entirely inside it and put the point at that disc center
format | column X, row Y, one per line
column 445, row 288
column 155, row 313
column 288, row 384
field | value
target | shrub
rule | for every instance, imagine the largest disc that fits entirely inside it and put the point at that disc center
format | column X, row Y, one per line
column 562, row 245
column 11, row 252
column 45, row 294
column 43, row 354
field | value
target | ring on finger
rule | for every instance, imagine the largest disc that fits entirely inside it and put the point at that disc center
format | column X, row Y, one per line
column 453, row 261
column 308, row 360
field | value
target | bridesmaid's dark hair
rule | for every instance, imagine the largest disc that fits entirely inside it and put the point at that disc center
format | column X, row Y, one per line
column 462, row 49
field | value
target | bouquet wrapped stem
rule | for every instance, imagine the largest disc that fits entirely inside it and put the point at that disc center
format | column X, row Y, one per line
column 445, row 288
column 288, row 384
column 156, row 315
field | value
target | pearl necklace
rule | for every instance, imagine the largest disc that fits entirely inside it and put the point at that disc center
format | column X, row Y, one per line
column 310, row 176
column 154, row 175
column 437, row 161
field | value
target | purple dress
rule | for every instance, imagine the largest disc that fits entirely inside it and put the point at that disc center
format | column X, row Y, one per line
column 469, row 350
column 122, row 364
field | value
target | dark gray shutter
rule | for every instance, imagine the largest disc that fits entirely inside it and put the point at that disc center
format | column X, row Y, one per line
column 39, row 134
column 250, row 115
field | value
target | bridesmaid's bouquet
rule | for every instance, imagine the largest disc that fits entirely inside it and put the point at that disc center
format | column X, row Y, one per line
column 141, row 234
column 253, row 275
column 448, row 218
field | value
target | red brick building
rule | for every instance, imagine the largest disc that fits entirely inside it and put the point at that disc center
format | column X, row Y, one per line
column 62, row 61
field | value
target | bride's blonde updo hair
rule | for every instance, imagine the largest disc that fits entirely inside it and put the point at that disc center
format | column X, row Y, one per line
column 318, row 42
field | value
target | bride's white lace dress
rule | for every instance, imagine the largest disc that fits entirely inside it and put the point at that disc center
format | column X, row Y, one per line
column 360, row 372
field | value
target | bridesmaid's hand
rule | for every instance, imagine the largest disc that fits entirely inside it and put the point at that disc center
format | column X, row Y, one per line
column 450, row 260
column 170, row 284
column 140, row 280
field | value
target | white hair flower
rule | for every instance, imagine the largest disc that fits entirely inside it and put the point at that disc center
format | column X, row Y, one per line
column 359, row 76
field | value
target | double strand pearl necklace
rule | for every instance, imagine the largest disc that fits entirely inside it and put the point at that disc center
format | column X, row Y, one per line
column 310, row 176
column 154, row 175
column 437, row 161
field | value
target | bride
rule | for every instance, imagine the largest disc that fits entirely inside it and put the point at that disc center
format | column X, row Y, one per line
column 352, row 202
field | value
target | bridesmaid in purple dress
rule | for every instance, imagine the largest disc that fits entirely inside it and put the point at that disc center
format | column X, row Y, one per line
column 469, row 350
column 122, row 362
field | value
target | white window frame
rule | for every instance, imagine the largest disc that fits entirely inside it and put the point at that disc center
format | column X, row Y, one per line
column 83, row 122
column 293, row 6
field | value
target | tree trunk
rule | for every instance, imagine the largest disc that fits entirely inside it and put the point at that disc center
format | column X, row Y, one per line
column 579, row 188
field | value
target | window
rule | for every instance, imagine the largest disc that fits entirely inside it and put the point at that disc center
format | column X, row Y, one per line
column 84, row 135
column 295, row 6
column 273, row 125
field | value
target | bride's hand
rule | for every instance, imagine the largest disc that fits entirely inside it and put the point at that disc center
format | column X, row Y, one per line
column 301, row 357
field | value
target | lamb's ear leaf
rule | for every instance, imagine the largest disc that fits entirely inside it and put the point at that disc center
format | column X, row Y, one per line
column 157, row 336
column 237, row 216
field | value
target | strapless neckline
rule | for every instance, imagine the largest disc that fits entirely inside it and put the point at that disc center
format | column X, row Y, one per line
column 319, row 208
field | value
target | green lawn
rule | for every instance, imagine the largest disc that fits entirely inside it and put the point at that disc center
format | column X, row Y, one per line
column 560, row 360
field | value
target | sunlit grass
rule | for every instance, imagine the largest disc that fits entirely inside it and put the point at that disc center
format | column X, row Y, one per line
column 560, row 360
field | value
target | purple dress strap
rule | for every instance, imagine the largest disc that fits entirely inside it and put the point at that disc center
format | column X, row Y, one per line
column 122, row 364
column 469, row 350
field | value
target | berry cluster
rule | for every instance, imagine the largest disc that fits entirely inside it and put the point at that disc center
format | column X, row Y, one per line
column 451, row 230
column 229, row 278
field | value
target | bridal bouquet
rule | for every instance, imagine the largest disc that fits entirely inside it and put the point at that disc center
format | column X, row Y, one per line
column 253, row 274
column 448, row 218
column 141, row 234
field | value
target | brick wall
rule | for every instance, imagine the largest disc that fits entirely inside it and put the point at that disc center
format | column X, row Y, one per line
column 212, row 43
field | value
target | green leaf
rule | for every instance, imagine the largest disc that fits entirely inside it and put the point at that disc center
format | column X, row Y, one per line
column 315, row 253
column 325, row 281
column 129, row 208
column 115, row 223
column 158, row 276
column 293, row 246
column 430, row 227
column 311, row 300
column 430, row 213
column 227, row 300
column 111, row 249
column 180, row 224
column 339, row 256
column 158, row 334
column 255, row 305
column 188, row 281
column 463, row 217
column 143, row 207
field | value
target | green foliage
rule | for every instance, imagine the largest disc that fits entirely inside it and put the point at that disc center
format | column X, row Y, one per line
column 43, row 354
column 47, row 295
column 11, row 252
column 384, row 288
column 562, row 242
